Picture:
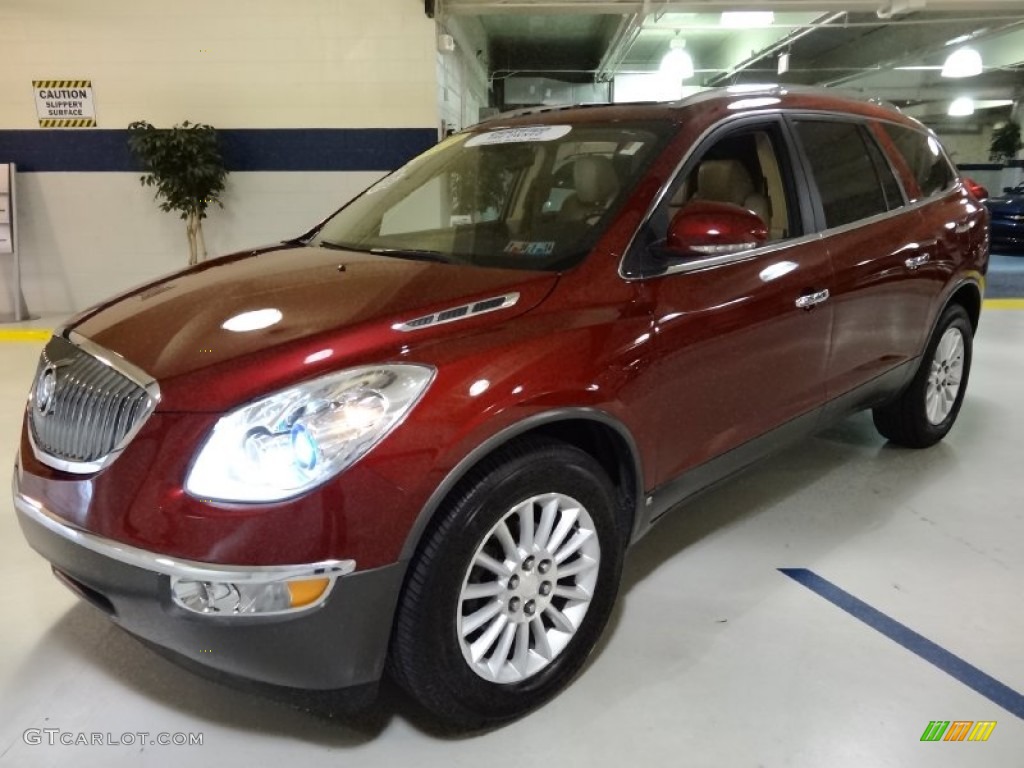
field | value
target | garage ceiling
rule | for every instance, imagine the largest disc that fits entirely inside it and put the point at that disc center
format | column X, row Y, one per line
column 892, row 49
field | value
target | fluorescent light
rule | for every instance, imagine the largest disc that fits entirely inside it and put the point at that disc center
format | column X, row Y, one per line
column 747, row 19
column 677, row 64
column 962, row 107
column 965, row 62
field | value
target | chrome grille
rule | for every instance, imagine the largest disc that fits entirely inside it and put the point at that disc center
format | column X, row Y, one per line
column 82, row 409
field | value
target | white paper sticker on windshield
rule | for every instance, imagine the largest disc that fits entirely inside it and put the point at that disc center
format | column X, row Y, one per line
column 518, row 135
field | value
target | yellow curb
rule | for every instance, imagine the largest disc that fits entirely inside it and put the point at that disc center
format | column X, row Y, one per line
column 24, row 334
column 1004, row 304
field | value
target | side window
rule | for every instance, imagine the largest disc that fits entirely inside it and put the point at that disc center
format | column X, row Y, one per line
column 847, row 178
column 891, row 187
column 924, row 156
column 742, row 169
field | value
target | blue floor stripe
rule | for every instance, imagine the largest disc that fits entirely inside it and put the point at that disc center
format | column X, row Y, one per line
column 951, row 664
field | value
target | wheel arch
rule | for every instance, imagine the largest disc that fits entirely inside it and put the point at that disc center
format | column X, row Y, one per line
column 968, row 296
column 598, row 433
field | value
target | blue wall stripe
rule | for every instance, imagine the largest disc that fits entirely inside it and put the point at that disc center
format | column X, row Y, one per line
column 245, row 149
column 951, row 664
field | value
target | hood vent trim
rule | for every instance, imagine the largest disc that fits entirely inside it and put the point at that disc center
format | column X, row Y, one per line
column 461, row 312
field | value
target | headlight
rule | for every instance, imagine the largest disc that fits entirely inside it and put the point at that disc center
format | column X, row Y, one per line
column 294, row 440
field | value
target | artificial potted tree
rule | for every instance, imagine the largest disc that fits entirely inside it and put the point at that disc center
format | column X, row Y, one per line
column 1006, row 143
column 185, row 165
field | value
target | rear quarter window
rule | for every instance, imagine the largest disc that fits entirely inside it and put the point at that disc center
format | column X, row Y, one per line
column 925, row 158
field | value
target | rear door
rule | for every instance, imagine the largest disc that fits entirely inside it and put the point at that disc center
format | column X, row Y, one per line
column 880, row 296
column 952, row 224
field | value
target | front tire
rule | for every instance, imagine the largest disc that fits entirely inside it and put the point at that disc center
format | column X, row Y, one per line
column 512, row 587
column 927, row 410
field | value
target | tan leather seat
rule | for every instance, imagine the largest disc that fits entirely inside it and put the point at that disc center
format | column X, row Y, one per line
column 727, row 181
column 596, row 184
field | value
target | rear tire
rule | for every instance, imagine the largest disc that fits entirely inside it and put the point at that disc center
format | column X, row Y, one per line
column 928, row 408
column 511, row 587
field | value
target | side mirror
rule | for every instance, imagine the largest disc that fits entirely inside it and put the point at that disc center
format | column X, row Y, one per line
column 1008, row 190
column 977, row 190
column 704, row 228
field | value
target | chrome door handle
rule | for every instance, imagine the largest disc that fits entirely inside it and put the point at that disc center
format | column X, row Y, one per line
column 917, row 261
column 811, row 300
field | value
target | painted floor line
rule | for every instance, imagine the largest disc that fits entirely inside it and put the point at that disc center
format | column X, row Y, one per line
column 950, row 663
column 1004, row 304
column 24, row 334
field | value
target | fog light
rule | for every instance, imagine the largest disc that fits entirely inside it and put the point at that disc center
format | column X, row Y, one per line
column 236, row 599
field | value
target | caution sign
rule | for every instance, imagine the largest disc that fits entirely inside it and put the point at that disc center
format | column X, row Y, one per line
column 64, row 103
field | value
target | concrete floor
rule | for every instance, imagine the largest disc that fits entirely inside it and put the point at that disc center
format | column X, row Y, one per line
column 713, row 658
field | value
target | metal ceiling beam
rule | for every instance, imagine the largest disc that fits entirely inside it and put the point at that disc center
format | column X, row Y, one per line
column 627, row 33
column 1002, row 50
column 775, row 46
column 591, row 7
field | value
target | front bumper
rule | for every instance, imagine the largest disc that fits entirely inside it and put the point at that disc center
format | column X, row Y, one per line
column 340, row 642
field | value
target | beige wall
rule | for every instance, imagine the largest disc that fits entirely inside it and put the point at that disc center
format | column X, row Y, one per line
column 230, row 63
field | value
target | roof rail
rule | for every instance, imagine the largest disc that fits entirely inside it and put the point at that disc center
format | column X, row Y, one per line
column 764, row 89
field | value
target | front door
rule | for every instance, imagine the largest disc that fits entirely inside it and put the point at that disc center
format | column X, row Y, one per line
column 742, row 341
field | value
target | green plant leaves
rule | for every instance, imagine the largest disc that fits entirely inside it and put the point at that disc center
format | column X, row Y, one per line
column 183, row 163
column 1006, row 142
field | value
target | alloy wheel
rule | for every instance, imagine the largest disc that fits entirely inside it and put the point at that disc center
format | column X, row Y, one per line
column 528, row 588
column 946, row 375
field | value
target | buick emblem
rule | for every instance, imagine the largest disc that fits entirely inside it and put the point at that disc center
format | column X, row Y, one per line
column 46, row 389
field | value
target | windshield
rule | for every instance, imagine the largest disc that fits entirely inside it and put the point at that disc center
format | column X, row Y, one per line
column 521, row 198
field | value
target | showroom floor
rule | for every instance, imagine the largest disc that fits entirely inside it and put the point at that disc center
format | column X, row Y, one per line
column 714, row 657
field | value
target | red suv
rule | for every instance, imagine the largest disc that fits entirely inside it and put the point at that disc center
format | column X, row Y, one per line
column 423, row 435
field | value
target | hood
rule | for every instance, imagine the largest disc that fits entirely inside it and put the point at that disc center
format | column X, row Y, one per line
column 279, row 303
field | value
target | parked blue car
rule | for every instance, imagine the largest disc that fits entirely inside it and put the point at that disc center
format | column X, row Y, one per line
column 1008, row 218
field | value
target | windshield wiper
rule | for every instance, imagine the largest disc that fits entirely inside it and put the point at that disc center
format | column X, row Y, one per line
column 413, row 253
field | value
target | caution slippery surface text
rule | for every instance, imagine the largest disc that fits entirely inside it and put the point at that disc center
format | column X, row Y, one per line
column 64, row 103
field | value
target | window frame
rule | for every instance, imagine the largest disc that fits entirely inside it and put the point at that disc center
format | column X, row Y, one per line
column 637, row 262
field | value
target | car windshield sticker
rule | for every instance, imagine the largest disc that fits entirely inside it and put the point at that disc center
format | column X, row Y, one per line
column 526, row 248
column 519, row 135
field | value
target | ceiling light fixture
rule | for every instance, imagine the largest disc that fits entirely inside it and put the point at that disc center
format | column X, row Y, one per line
column 677, row 64
column 747, row 19
column 962, row 107
column 965, row 62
